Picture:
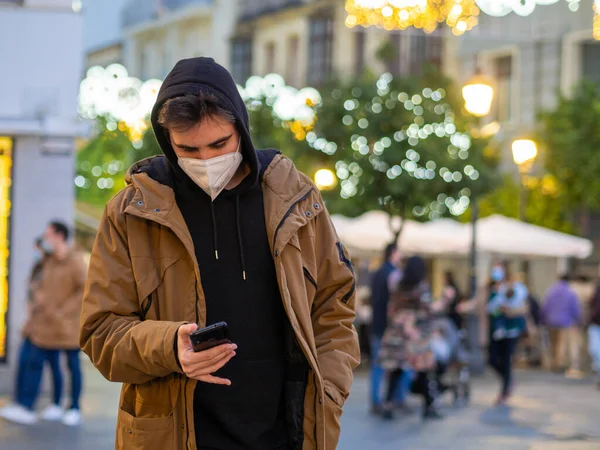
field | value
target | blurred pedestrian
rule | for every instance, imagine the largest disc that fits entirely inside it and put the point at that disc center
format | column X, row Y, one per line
column 507, row 308
column 217, row 231
column 594, row 333
column 384, row 281
column 451, row 298
column 51, row 329
column 407, row 341
column 561, row 313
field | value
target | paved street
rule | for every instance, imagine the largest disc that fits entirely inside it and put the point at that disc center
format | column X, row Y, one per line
column 548, row 413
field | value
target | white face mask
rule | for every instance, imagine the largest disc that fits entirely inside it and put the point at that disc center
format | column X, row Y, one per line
column 213, row 174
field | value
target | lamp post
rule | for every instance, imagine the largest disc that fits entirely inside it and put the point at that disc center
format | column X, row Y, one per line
column 478, row 94
column 524, row 153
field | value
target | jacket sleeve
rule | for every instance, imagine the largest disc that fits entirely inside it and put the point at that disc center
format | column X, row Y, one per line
column 120, row 345
column 333, row 311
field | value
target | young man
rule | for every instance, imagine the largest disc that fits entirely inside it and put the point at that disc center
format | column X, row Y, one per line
column 217, row 231
column 52, row 328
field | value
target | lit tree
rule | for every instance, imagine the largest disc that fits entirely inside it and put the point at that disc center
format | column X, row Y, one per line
column 400, row 145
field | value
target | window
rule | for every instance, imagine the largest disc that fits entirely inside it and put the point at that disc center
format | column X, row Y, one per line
column 503, row 74
column 241, row 60
column 320, row 50
column 359, row 51
column 292, row 66
column 424, row 50
column 5, row 194
column 270, row 58
column 393, row 60
column 590, row 56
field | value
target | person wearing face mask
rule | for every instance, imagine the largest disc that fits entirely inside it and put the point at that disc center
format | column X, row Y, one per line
column 56, row 291
column 213, row 231
column 506, row 307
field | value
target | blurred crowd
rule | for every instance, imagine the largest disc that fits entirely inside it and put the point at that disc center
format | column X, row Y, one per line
column 418, row 344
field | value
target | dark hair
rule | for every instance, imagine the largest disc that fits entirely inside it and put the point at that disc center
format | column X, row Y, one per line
column 564, row 277
column 414, row 273
column 61, row 228
column 182, row 113
column 389, row 249
column 449, row 278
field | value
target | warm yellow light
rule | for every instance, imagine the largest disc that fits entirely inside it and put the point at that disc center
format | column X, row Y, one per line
column 460, row 15
column 596, row 29
column 478, row 94
column 524, row 152
column 325, row 179
column 5, row 209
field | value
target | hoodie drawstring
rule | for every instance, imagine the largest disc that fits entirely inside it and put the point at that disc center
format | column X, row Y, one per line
column 215, row 235
column 239, row 233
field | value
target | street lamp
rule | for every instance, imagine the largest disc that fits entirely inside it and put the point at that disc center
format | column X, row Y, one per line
column 478, row 94
column 325, row 179
column 524, row 153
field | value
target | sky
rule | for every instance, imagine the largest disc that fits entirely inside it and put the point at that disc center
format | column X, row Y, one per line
column 102, row 22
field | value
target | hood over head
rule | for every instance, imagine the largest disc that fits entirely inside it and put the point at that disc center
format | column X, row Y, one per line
column 195, row 76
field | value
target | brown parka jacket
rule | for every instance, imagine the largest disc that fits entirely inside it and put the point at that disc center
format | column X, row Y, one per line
column 144, row 283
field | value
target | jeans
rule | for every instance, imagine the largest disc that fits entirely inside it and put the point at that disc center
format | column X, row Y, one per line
column 377, row 372
column 31, row 368
column 594, row 346
column 500, row 358
column 29, row 374
column 423, row 384
column 74, row 365
column 378, row 375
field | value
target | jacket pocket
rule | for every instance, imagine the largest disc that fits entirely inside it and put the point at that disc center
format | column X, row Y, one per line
column 143, row 433
column 334, row 401
column 333, row 416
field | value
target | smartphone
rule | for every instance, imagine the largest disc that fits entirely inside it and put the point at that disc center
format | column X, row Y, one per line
column 210, row 337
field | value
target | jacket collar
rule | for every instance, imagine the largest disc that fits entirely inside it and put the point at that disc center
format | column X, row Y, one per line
column 284, row 187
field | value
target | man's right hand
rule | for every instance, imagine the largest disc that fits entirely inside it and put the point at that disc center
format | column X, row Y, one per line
column 200, row 366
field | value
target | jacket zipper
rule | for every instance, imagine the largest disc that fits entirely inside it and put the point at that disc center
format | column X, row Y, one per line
column 147, row 307
column 309, row 277
column 287, row 214
column 348, row 263
column 321, row 407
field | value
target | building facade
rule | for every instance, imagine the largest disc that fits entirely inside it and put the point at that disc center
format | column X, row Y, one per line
column 40, row 41
column 307, row 42
column 158, row 34
column 544, row 54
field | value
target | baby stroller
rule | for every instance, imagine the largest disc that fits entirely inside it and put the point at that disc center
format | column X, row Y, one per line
column 450, row 348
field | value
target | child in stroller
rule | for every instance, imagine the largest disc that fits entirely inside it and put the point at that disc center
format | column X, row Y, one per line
column 449, row 346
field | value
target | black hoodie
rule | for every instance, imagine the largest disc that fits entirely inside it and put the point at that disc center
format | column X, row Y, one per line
column 240, row 286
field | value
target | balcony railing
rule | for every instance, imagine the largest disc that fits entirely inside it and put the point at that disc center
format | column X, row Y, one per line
column 140, row 11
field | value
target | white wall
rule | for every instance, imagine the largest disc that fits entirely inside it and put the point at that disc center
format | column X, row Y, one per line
column 42, row 56
column 42, row 63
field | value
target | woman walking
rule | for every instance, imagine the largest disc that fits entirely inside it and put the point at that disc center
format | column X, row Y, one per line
column 507, row 308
